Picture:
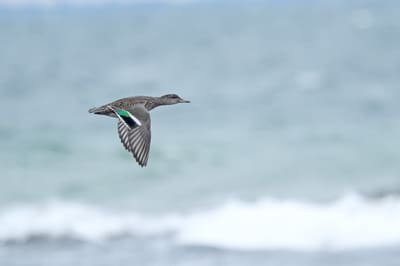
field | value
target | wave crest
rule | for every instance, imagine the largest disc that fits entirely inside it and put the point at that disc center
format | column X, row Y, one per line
column 349, row 223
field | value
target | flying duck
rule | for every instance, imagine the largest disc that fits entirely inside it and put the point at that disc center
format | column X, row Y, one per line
column 134, row 121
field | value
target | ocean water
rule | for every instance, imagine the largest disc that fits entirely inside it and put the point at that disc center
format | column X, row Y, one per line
column 287, row 154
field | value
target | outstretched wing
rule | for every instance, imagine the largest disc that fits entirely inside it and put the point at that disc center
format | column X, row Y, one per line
column 134, row 132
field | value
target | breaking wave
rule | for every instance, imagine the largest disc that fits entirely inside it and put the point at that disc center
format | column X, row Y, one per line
column 351, row 222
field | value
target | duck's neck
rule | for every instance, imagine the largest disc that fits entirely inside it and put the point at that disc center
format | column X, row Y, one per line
column 153, row 102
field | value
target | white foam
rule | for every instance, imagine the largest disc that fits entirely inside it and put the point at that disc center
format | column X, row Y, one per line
column 349, row 223
column 73, row 220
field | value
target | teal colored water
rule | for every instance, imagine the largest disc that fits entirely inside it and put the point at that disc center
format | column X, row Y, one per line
column 293, row 116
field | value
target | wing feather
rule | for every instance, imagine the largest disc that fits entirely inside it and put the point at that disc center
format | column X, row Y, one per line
column 137, row 139
column 139, row 150
column 123, row 135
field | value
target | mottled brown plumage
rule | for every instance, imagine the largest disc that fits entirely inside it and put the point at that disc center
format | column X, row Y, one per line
column 134, row 126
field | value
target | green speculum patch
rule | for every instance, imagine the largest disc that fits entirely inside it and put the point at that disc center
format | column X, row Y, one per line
column 126, row 117
column 122, row 112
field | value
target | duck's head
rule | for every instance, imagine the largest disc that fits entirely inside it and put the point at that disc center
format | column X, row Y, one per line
column 172, row 99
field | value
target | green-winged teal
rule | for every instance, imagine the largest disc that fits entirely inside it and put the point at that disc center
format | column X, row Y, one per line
column 134, row 121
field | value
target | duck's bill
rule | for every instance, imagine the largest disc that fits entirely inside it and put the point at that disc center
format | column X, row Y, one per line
column 184, row 101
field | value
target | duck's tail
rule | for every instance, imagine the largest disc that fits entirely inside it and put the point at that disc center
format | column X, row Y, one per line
column 93, row 110
column 102, row 110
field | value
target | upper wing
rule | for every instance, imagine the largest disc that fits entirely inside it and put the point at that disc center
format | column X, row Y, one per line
column 134, row 132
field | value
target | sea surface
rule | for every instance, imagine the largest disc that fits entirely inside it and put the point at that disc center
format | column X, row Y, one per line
column 287, row 155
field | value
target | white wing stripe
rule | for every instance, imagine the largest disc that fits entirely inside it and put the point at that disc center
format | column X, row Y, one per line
column 135, row 119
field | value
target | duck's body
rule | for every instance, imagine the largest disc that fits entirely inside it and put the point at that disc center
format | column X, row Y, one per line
column 128, row 103
column 134, row 126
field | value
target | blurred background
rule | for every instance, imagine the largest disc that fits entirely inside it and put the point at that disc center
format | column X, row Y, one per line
column 287, row 155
